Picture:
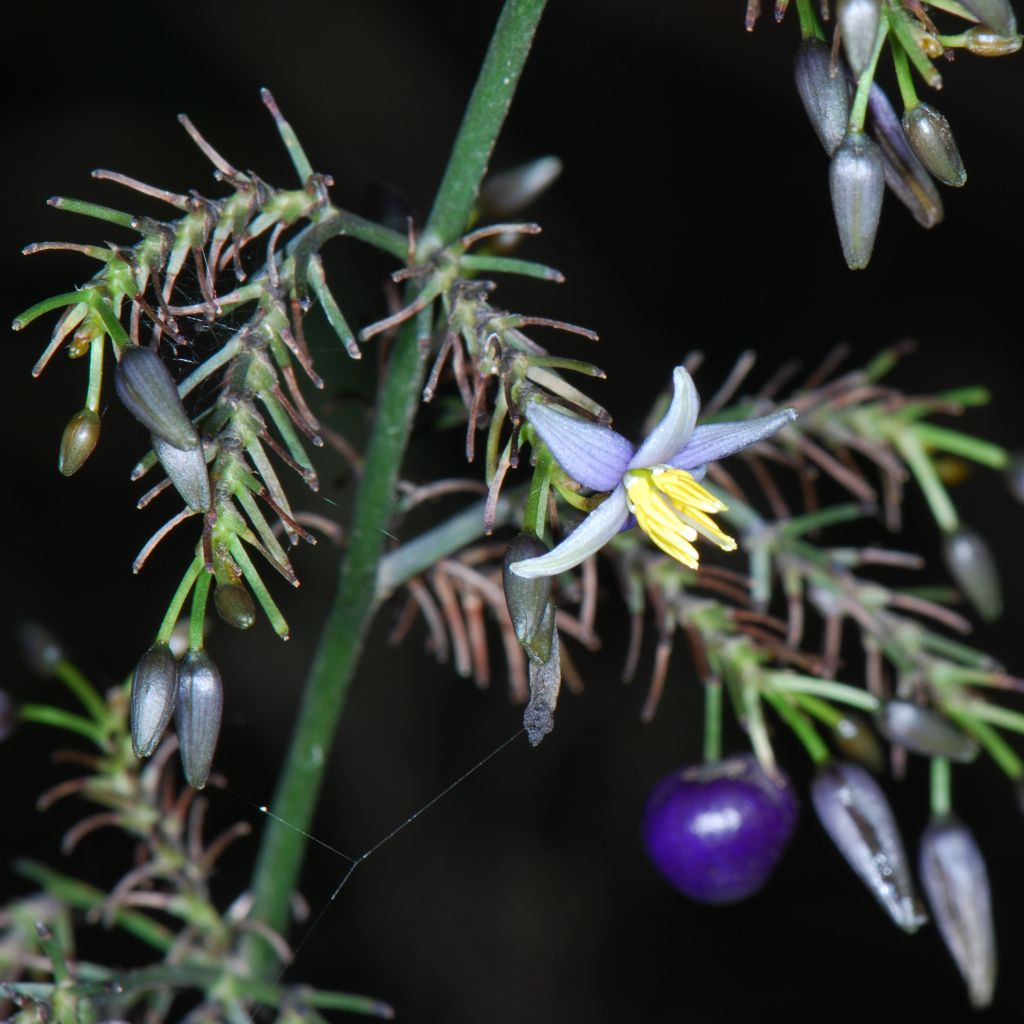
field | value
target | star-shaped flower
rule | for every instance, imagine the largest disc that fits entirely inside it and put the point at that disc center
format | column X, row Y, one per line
column 658, row 482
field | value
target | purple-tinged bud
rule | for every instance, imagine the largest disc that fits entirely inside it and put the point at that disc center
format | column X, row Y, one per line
column 148, row 392
column 970, row 562
column 932, row 140
column 924, row 731
column 529, row 599
column 507, row 193
column 955, row 880
column 855, row 739
column 8, row 715
column 186, row 469
column 234, row 605
column 545, row 682
column 154, row 687
column 825, row 96
column 41, row 650
column 994, row 14
column 905, row 175
column 990, row 44
column 1015, row 476
column 197, row 715
column 858, row 25
column 857, row 183
column 855, row 813
column 78, row 441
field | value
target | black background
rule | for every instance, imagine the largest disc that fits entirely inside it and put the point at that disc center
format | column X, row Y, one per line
column 693, row 213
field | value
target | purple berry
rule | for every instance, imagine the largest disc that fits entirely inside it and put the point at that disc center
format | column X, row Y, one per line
column 716, row 831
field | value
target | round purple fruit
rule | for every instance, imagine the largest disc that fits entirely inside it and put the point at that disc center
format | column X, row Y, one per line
column 716, row 831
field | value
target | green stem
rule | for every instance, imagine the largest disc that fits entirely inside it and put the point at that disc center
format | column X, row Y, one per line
column 535, row 519
column 810, row 27
column 927, row 479
column 802, row 727
column 282, row 849
column 903, row 77
column 860, row 101
column 941, row 787
column 163, row 634
column 712, row 721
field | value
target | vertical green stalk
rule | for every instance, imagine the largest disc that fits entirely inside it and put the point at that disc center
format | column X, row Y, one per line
column 941, row 788
column 712, row 721
column 282, row 849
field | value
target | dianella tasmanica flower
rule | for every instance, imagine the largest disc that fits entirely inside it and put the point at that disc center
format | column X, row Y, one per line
column 658, row 482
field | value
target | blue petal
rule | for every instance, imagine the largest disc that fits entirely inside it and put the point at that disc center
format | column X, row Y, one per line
column 589, row 537
column 669, row 436
column 717, row 440
column 593, row 455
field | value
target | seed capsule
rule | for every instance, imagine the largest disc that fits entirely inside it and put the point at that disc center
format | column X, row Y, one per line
column 858, row 25
column 932, row 140
column 857, row 182
column 970, row 562
column 855, row 813
column 994, row 14
column 197, row 715
column 154, row 687
column 148, row 392
column 924, row 731
column 78, row 441
column 186, row 469
column 545, row 682
column 529, row 600
column 990, row 44
column 825, row 96
column 905, row 175
column 235, row 605
column 955, row 880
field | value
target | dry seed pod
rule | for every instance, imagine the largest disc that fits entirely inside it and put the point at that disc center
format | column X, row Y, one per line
column 529, row 599
column 148, row 392
column 154, row 688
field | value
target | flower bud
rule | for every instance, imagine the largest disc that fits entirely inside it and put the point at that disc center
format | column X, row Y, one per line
column 8, row 715
column 971, row 564
column 40, row 649
column 990, row 44
column 78, row 441
column 148, row 392
column 545, row 682
column 507, row 193
column 234, row 605
column 932, row 140
column 529, row 599
column 858, row 24
column 825, row 96
column 955, row 880
column 197, row 714
column 855, row 813
column 1015, row 476
column 924, row 731
column 857, row 182
column 154, row 686
column 855, row 739
column 904, row 173
column 186, row 469
column 994, row 14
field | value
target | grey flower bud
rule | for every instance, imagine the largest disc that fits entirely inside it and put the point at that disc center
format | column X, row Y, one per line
column 528, row 599
column 154, row 687
column 235, row 605
column 857, row 183
column 1015, row 476
column 507, row 193
column 970, row 562
column 78, row 441
column 924, row 731
column 146, row 388
column 186, row 469
column 932, row 140
column 825, row 96
column 994, row 14
column 858, row 24
column 955, row 880
column 855, row 813
column 904, row 173
column 197, row 714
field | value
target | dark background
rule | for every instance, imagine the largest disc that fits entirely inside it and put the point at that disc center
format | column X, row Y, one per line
column 693, row 213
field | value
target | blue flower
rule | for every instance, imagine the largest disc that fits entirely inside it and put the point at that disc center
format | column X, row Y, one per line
column 658, row 483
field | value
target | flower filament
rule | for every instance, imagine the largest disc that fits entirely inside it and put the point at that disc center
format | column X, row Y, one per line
column 672, row 509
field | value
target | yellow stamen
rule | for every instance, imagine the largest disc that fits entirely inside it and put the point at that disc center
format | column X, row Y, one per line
column 672, row 508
